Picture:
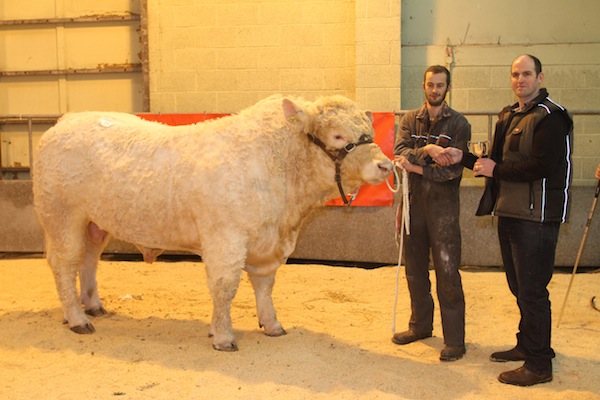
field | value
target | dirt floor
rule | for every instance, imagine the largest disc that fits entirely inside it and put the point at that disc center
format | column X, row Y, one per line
column 154, row 344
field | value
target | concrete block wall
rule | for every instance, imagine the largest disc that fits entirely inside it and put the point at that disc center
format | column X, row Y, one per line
column 378, row 55
column 570, row 85
column 350, row 235
column 221, row 56
column 478, row 44
column 487, row 88
column 215, row 56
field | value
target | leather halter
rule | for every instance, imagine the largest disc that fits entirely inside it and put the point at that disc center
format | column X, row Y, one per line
column 338, row 156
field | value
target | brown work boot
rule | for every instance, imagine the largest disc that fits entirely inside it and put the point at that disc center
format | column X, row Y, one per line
column 524, row 377
column 509, row 355
column 452, row 353
column 409, row 336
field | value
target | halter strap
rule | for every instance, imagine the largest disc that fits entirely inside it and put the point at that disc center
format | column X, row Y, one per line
column 337, row 157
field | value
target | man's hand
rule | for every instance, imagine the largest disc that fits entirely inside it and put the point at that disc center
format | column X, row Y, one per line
column 433, row 150
column 403, row 162
column 452, row 156
column 598, row 172
column 438, row 154
column 484, row 167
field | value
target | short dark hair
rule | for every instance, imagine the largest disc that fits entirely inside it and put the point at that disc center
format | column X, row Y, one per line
column 537, row 64
column 438, row 69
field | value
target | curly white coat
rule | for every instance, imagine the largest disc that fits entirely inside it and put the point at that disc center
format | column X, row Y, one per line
column 234, row 190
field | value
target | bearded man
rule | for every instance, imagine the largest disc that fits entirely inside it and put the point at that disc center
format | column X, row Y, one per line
column 434, row 214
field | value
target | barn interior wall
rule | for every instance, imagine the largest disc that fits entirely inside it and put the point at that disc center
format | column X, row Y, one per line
column 335, row 234
column 52, row 62
column 477, row 41
column 221, row 56
column 209, row 56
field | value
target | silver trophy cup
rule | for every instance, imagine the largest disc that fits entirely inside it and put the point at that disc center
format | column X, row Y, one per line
column 480, row 149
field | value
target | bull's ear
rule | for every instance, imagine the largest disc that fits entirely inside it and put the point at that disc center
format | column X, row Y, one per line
column 370, row 115
column 293, row 114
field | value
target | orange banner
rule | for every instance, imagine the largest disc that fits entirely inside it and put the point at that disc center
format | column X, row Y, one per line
column 179, row 119
column 368, row 195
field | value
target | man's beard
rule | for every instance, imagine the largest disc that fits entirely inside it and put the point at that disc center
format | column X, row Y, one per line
column 439, row 100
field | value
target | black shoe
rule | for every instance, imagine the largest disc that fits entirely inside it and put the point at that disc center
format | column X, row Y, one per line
column 409, row 336
column 509, row 355
column 452, row 353
column 524, row 377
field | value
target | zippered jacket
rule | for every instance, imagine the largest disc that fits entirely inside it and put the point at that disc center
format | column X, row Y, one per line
column 533, row 150
column 451, row 130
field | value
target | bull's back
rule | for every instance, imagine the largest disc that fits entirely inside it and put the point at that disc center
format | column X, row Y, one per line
column 114, row 168
column 130, row 175
column 84, row 150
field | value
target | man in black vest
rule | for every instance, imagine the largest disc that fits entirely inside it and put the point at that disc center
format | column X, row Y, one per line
column 528, row 183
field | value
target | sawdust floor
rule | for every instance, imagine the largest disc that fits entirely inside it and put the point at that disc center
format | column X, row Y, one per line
column 154, row 344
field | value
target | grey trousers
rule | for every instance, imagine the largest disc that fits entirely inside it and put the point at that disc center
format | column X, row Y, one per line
column 435, row 230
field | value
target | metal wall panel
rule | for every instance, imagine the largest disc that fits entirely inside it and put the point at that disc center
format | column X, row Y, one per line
column 58, row 56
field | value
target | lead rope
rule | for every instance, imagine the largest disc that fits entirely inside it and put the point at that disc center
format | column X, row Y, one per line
column 404, row 226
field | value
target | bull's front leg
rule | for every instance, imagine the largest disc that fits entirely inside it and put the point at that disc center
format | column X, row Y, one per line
column 223, row 282
column 263, row 289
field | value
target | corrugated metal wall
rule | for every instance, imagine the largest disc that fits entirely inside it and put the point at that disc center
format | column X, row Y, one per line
column 65, row 55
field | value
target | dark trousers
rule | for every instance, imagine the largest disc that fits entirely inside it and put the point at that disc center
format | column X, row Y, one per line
column 528, row 250
column 435, row 228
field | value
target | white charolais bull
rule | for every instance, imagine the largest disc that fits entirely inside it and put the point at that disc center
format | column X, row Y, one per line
column 234, row 190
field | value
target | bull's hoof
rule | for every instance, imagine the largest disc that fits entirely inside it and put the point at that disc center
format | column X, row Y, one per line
column 280, row 332
column 276, row 332
column 98, row 312
column 229, row 348
column 86, row 329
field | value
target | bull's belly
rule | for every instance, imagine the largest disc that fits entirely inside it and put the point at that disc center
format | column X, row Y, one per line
column 165, row 239
column 149, row 229
column 155, row 221
column 152, row 242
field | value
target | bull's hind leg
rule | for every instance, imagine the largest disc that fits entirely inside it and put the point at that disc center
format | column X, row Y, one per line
column 263, row 289
column 65, row 253
column 95, row 242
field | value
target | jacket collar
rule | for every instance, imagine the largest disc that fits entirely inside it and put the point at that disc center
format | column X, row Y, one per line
column 540, row 97
column 424, row 114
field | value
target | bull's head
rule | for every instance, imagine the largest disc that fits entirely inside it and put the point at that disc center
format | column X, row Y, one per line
column 344, row 133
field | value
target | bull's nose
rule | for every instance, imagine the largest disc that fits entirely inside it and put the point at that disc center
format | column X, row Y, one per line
column 386, row 167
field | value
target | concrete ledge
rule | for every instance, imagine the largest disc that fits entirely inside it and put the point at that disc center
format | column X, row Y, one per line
column 356, row 234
